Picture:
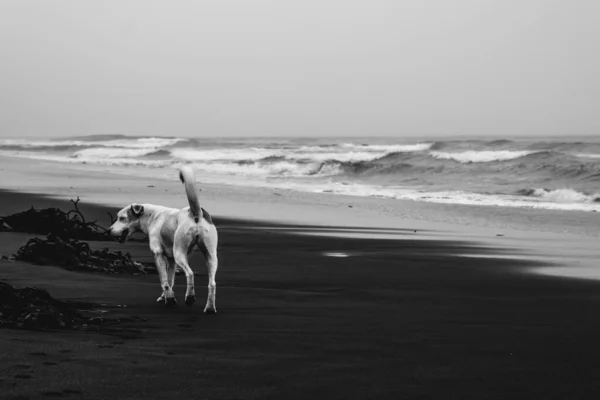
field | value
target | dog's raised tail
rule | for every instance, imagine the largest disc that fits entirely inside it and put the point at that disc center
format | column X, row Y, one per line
column 186, row 174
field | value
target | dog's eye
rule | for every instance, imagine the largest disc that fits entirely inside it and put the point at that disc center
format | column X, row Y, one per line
column 121, row 219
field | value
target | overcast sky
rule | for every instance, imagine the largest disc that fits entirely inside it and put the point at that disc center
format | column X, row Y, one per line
column 300, row 68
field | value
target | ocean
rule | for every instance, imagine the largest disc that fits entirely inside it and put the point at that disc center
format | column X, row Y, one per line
column 550, row 174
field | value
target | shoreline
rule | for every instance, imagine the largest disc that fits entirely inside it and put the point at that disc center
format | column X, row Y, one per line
column 18, row 174
column 568, row 238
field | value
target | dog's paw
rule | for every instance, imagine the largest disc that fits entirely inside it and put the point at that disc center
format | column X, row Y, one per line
column 189, row 300
column 170, row 302
column 161, row 298
column 210, row 310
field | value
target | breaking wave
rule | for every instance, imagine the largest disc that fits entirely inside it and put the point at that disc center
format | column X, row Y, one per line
column 118, row 152
column 481, row 156
column 561, row 195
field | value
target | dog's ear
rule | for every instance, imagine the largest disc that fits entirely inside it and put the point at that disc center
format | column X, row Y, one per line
column 137, row 210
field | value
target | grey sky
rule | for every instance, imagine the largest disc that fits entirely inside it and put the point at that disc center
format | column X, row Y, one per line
column 240, row 68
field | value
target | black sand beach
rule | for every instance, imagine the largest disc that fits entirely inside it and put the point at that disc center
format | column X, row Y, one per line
column 403, row 318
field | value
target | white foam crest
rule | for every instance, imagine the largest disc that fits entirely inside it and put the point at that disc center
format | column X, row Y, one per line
column 585, row 155
column 455, row 197
column 89, row 160
column 124, row 162
column 104, row 152
column 349, row 152
column 467, row 198
column 564, row 196
column 481, row 156
column 249, row 154
column 275, row 169
column 390, row 148
column 342, row 255
column 255, row 154
column 144, row 142
column 351, row 156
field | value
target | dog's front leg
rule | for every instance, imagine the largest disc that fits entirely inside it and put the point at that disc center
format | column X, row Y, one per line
column 161, row 266
column 171, row 269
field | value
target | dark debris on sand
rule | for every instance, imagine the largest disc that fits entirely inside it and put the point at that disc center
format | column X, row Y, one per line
column 73, row 254
column 62, row 245
column 34, row 309
column 71, row 224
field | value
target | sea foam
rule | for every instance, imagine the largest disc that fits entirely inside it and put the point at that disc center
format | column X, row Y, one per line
column 481, row 156
column 117, row 152
column 562, row 195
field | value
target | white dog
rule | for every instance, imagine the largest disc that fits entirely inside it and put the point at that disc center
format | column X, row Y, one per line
column 173, row 234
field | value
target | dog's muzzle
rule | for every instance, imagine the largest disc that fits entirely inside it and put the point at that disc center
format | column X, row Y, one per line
column 123, row 236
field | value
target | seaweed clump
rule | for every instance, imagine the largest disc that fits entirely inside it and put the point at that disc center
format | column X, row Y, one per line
column 32, row 308
column 71, row 224
column 73, row 254
column 62, row 245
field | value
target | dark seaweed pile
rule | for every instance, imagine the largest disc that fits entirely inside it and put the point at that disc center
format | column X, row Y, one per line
column 73, row 254
column 71, row 224
column 62, row 246
column 32, row 308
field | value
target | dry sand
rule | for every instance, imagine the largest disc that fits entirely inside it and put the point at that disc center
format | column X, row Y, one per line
column 451, row 310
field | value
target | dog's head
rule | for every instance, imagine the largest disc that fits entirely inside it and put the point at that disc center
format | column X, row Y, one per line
column 127, row 223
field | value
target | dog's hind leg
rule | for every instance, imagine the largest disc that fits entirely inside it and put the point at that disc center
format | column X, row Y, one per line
column 209, row 249
column 212, row 263
column 183, row 243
